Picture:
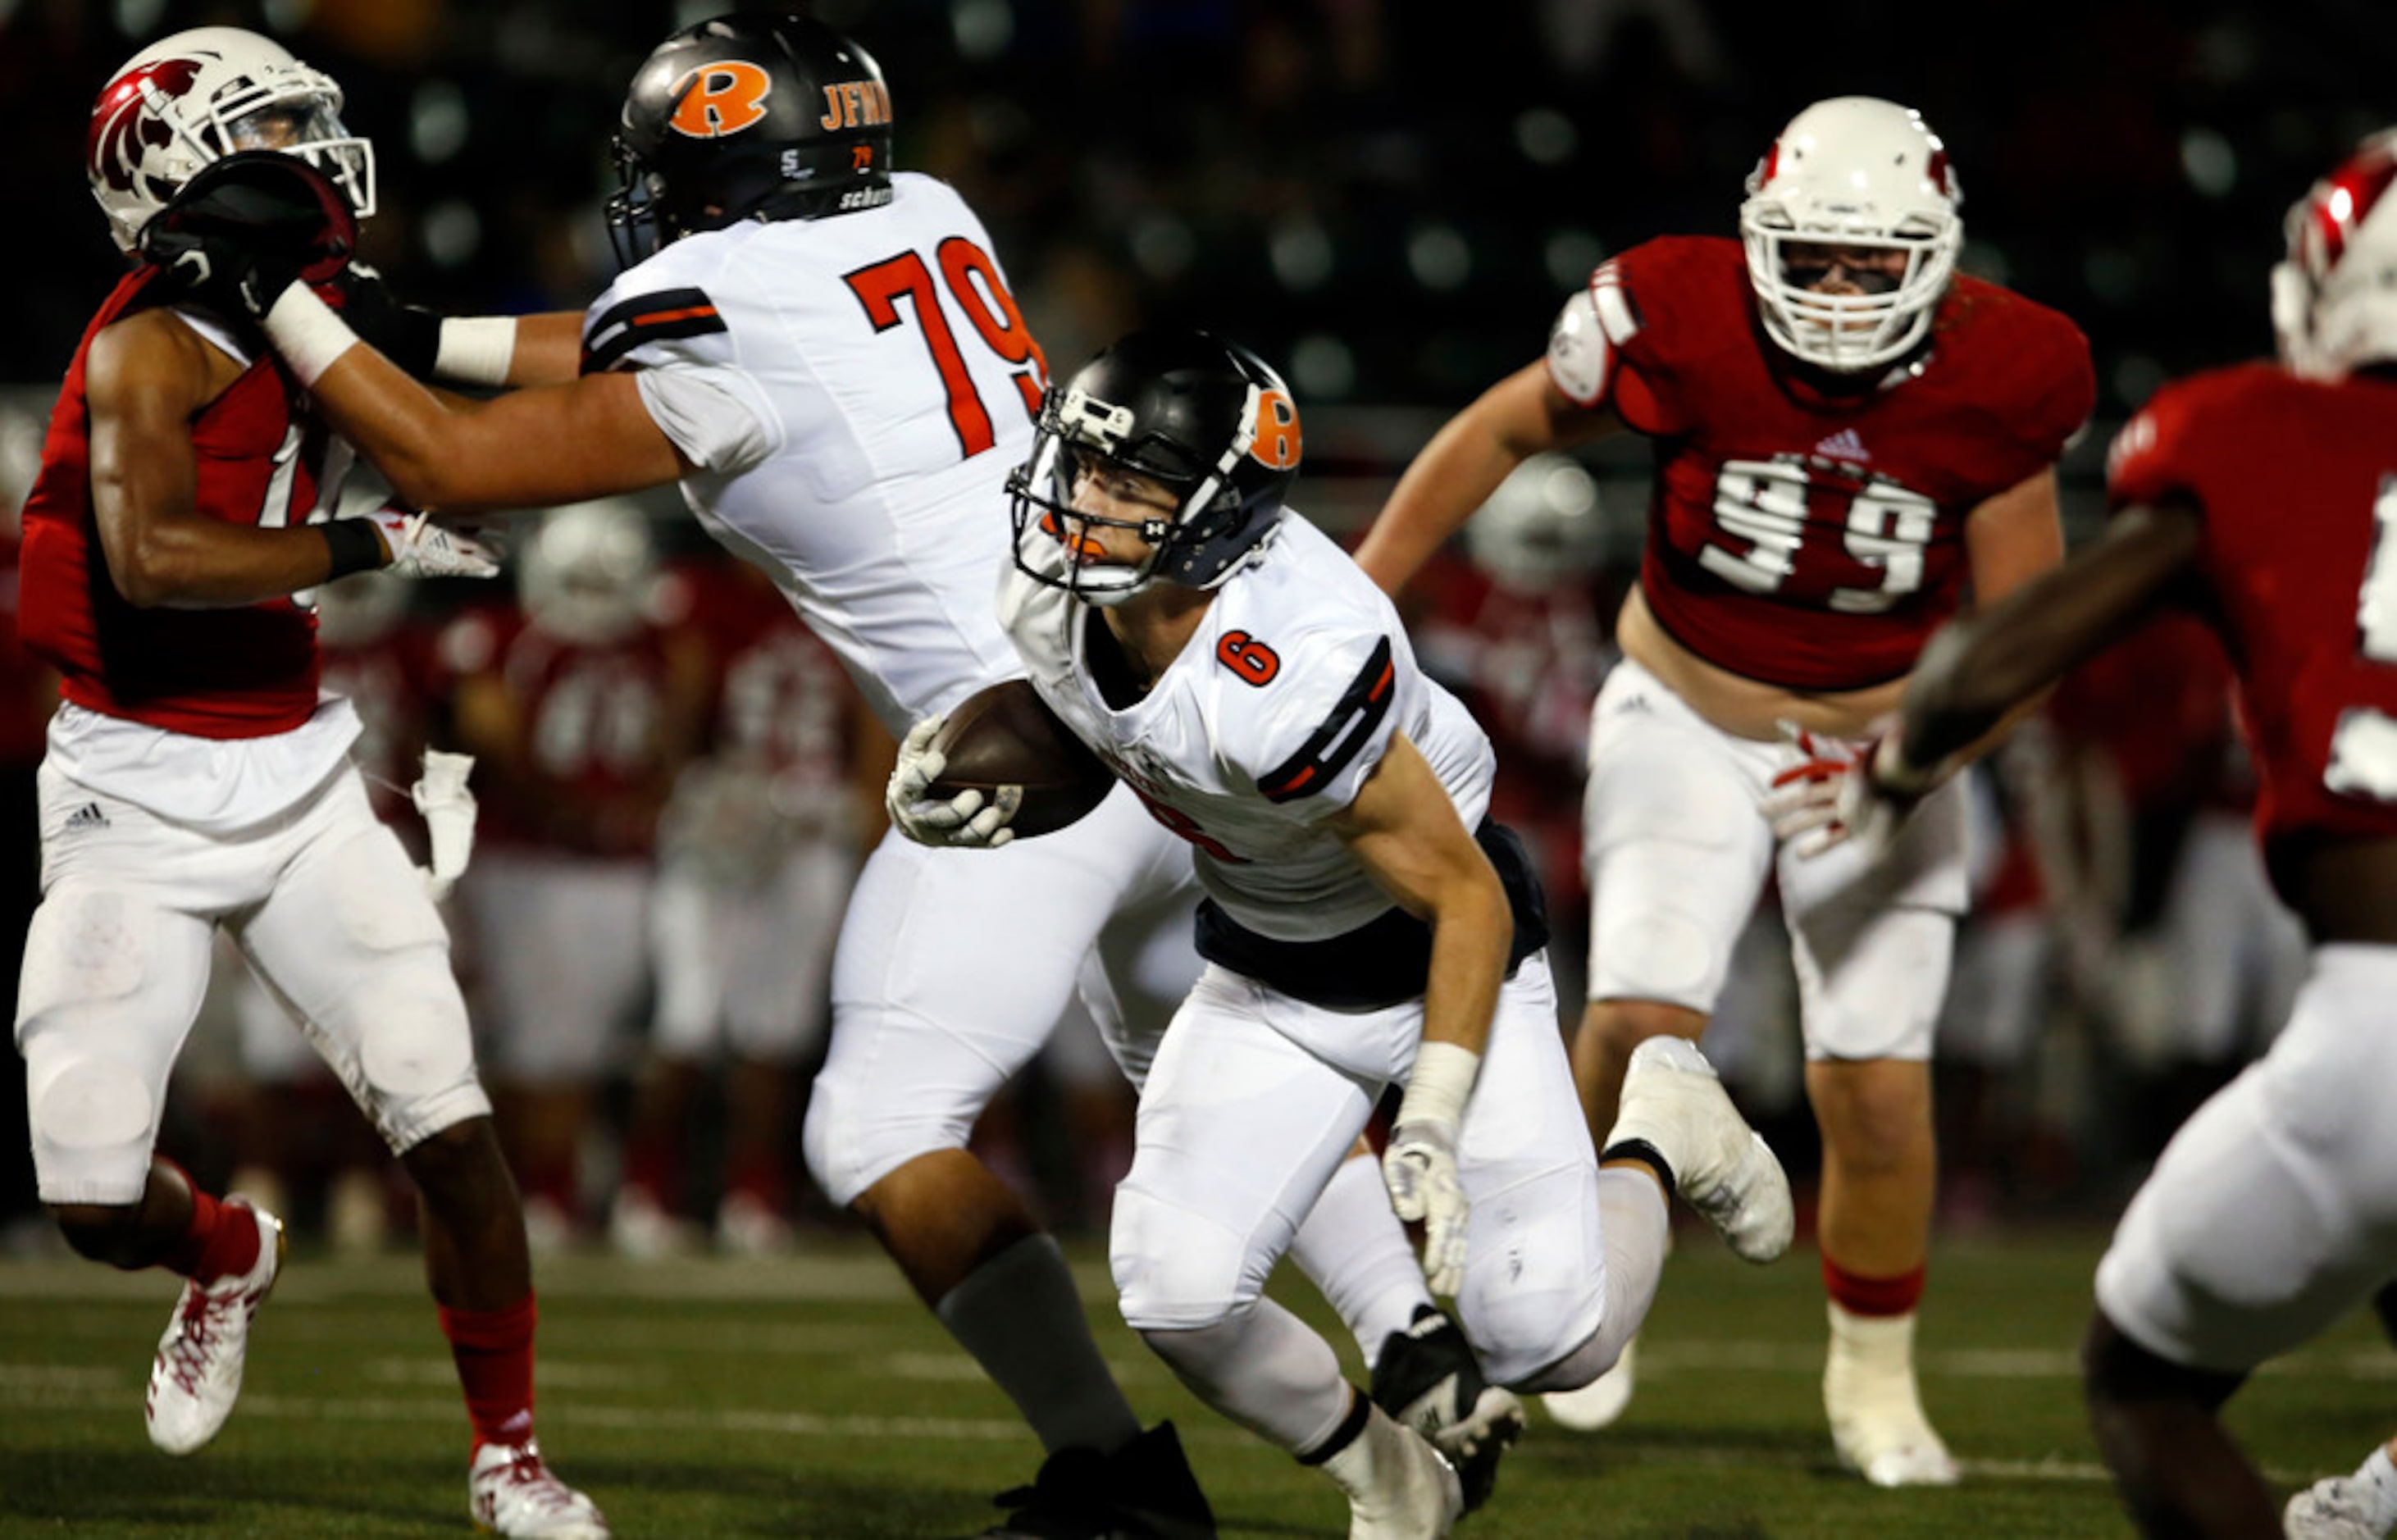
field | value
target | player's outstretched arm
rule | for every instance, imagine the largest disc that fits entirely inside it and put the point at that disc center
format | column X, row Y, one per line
column 1978, row 671
column 253, row 232
column 1515, row 419
column 1979, row 668
column 535, row 447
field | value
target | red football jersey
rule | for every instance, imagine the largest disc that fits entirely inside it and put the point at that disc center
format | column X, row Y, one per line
column 593, row 719
column 231, row 673
column 2297, row 480
column 1801, row 539
column 782, row 703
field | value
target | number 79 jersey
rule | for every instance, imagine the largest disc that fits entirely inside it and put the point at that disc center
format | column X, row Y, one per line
column 2297, row 483
column 854, row 391
column 1799, row 537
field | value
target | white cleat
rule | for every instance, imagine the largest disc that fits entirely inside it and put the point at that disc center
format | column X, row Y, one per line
column 1673, row 1100
column 510, row 1491
column 747, row 1226
column 639, row 1229
column 1600, row 1403
column 1398, row 1486
column 2330, row 1509
column 1877, row 1424
column 196, row 1377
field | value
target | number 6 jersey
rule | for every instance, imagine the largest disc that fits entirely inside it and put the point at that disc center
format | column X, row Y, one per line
column 1270, row 720
column 1800, row 538
column 852, row 392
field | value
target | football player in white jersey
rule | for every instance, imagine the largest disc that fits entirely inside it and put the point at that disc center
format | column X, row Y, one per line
column 827, row 356
column 1258, row 694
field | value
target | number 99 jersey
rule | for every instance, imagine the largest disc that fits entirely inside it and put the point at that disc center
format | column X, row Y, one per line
column 853, row 393
column 2297, row 480
column 1800, row 538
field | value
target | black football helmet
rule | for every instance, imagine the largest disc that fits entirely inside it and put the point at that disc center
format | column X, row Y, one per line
column 1206, row 417
column 748, row 116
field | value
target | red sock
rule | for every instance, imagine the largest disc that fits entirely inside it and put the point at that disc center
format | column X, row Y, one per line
column 493, row 1350
column 760, row 1177
column 651, row 1165
column 210, row 1247
column 1860, row 1295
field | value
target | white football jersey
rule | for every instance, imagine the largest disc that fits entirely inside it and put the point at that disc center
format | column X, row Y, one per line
column 854, row 391
column 1269, row 721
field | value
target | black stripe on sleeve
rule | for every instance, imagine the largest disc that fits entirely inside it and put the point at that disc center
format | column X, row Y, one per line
column 647, row 318
column 1342, row 735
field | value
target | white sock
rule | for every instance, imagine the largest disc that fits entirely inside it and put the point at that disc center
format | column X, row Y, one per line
column 1356, row 1252
column 1637, row 1225
column 1884, row 1342
column 1021, row 1318
column 1266, row 1370
column 2375, row 1482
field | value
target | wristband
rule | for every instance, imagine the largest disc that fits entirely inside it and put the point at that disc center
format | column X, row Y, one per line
column 1439, row 1085
column 304, row 329
column 476, row 350
column 354, row 545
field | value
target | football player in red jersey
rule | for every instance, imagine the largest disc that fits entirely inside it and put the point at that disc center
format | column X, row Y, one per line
column 2262, row 498
column 1848, row 435
column 195, row 780
column 586, row 703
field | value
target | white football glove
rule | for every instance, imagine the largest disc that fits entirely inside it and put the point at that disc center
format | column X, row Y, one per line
column 1844, row 793
column 421, row 548
column 448, row 807
column 1420, row 1169
column 962, row 820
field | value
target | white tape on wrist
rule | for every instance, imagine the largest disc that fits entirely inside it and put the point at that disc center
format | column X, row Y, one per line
column 306, row 332
column 476, row 350
column 1439, row 1084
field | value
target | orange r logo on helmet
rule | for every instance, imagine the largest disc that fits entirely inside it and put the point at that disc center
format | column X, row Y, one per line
column 719, row 98
column 1277, row 441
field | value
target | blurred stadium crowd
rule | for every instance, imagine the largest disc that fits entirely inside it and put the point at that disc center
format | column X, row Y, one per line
column 1388, row 199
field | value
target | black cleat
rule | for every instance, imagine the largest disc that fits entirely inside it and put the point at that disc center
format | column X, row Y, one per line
column 1143, row 1491
column 1427, row 1378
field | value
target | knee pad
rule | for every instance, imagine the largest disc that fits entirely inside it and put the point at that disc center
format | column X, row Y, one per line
column 413, row 1040
column 86, row 1101
column 1176, row 1270
column 1534, row 1285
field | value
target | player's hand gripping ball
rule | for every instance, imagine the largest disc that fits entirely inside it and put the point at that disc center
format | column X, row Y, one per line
column 999, row 766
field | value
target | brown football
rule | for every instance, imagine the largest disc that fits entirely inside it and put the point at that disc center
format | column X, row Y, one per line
column 1005, row 735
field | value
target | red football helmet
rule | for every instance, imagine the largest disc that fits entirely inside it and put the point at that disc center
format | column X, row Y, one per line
column 199, row 96
column 2334, row 299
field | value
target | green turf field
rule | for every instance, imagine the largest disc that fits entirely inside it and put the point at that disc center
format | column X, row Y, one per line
column 815, row 1398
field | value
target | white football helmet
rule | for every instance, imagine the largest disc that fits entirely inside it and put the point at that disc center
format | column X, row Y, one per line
column 590, row 574
column 1853, row 171
column 2334, row 299
column 1543, row 527
column 201, row 95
